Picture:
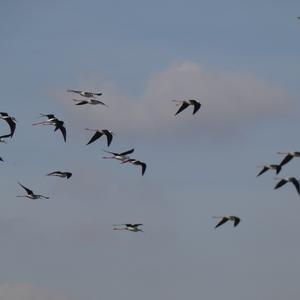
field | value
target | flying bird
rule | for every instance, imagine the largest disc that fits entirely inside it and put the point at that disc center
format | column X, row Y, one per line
column 89, row 101
column 11, row 121
column 31, row 194
column 119, row 156
column 98, row 133
column 185, row 103
column 136, row 163
column 60, row 174
column 3, row 137
column 224, row 219
column 85, row 93
column 129, row 227
column 283, row 181
column 52, row 120
column 289, row 156
column 265, row 168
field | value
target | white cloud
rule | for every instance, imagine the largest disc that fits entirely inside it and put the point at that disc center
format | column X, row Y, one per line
column 26, row 292
column 228, row 99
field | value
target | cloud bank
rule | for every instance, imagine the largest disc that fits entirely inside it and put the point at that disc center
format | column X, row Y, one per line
column 228, row 99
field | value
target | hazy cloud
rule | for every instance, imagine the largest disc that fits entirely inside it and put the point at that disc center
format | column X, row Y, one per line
column 228, row 99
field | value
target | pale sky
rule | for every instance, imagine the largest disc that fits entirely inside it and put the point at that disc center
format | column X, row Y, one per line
column 240, row 59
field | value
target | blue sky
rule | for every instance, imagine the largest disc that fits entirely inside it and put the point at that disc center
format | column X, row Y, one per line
column 241, row 60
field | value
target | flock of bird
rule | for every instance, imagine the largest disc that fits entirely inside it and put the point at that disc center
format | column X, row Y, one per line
column 277, row 167
column 123, row 157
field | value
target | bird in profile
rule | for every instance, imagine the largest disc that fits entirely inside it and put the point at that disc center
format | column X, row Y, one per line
column 3, row 137
column 31, row 194
column 288, row 156
column 136, row 163
column 60, row 174
column 283, row 181
column 119, row 156
column 224, row 219
column 98, row 133
column 11, row 121
column 89, row 101
column 185, row 103
column 85, row 93
column 128, row 227
column 265, row 168
column 52, row 120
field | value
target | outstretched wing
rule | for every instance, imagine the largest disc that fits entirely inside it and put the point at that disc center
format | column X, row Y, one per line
column 96, row 136
column 183, row 106
column 224, row 220
column 60, row 125
column 295, row 182
column 5, row 136
column 74, row 91
column 12, row 125
column 286, row 160
column 55, row 173
column 28, row 191
column 197, row 106
column 236, row 221
column 280, row 183
column 127, row 152
column 265, row 169
column 109, row 136
column 49, row 116
column 82, row 102
column 144, row 166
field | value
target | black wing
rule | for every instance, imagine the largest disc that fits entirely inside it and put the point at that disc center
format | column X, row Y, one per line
column 96, row 136
column 197, row 106
column 69, row 174
column 144, row 166
column 98, row 94
column 82, row 102
column 182, row 107
column 12, row 126
column 295, row 182
column 135, row 225
column 280, row 183
column 5, row 136
column 73, row 91
column 265, row 169
column 53, row 173
column 49, row 116
column 29, row 192
column 127, row 152
column 224, row 220
column 1, row 159
column 236, row 221
column 109, row 136
column 278, row 168
column 286, row 160
column 60, row 125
